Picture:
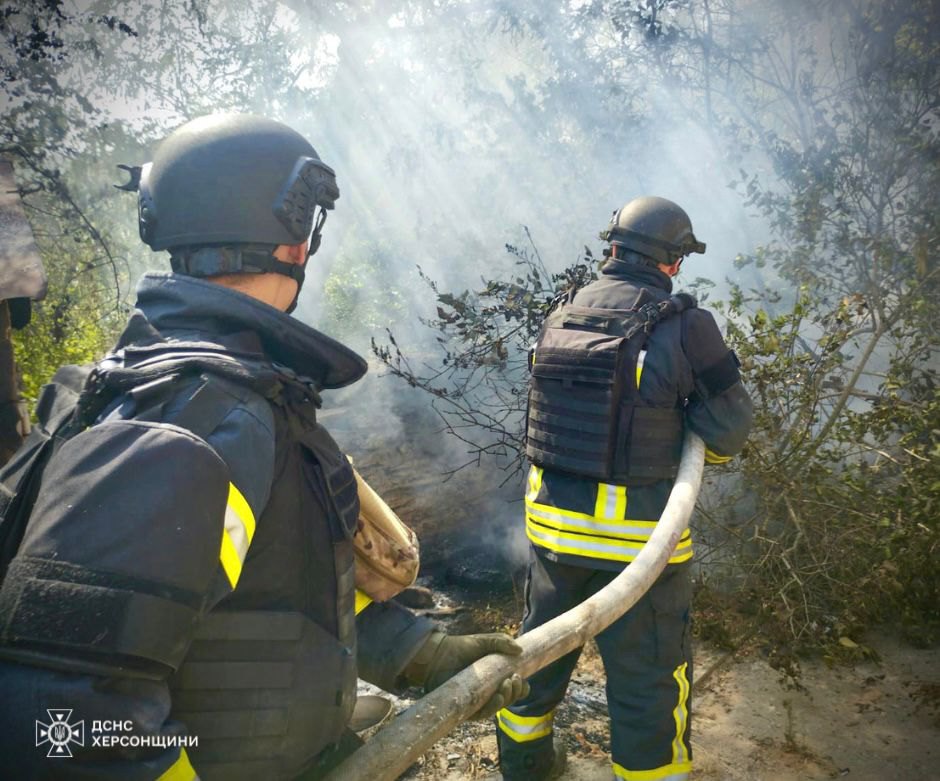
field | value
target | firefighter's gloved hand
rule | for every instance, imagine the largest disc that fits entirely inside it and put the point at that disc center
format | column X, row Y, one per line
column 443, row 656
column 513, row 688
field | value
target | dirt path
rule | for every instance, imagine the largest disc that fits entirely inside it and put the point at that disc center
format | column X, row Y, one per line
column 870, row 722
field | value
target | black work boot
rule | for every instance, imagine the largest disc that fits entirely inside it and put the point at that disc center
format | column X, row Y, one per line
column 559, row 762
column 534, row 766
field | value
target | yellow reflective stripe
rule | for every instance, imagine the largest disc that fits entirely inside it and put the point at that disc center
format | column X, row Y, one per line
column 525, row 721
column 600, row 504
column 231, row 562
column 535, row 483
column 679, row 556
column 237, row 534
column 594, row 546
column 611, row 502
column 239, row 505
column 561, row 512
column 181, row 770
column 620, row 505
column 525, row 728
column 711, row 457
column 680, row 752
column 640, row 360
column 363, row 601
column 579, row 523
column 671, row 772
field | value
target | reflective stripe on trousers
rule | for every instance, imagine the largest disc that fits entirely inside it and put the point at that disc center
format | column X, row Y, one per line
column 522, row 729
column 647, row 660
column 665, row 773
column 681, row 765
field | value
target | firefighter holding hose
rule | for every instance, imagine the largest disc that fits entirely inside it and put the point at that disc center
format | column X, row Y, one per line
column 621, row 369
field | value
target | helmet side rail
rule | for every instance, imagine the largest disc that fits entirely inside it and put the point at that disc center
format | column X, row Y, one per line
column 406, row 737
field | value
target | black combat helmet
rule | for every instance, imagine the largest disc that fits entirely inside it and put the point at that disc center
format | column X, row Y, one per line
column 654, row 227
column 226, row 189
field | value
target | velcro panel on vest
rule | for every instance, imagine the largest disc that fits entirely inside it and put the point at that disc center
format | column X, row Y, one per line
column 264, row 691
column 568, row 424
column 59, row 606
column 576, row 385
column 654, row 446
column 143, row 503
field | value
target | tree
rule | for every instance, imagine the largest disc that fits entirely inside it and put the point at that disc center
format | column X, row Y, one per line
column 87, row 90
column 479, row 383
column 830, row 111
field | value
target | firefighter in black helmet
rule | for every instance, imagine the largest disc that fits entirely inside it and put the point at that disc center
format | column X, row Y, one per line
column 185, row 583
column 620, row 370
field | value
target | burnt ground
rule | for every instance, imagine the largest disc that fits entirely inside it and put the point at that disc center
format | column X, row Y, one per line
column 874, row 721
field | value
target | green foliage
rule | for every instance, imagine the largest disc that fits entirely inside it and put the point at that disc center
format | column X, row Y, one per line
column 828, row 522
column 484, row 337
column 842, row 528
column 361, row 294
column 76, row 322
column 840, row 472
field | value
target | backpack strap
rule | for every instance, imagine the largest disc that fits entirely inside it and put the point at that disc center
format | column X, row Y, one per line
column 650, row 314
column 151, row 378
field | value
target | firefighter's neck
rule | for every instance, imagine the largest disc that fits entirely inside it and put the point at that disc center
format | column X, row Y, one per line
column 669, row 270
column 276, row 290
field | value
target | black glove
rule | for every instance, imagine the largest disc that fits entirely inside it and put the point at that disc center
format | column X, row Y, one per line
column 443, row 656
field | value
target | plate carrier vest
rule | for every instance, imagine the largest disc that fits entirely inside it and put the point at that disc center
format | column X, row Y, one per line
column 585, row 414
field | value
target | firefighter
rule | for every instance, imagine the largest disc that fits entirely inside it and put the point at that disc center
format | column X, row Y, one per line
column 620, row 371
column 184, row 587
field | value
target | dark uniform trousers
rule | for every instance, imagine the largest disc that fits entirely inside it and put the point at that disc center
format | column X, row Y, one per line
column 648, row 662
column 583, row 531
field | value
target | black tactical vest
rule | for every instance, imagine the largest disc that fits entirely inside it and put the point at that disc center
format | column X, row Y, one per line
column 585, row 414
column 269, row 680
column 267, row 689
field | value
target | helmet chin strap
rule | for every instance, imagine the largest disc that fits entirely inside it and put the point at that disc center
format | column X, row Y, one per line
column 246, row 259
column 312, row 246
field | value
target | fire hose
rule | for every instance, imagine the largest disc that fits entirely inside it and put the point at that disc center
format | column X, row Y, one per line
column 397, row 745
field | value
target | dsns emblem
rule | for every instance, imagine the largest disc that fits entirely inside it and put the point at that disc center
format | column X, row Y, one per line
column 59, row 733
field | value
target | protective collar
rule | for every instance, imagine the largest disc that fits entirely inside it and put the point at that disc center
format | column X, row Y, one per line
column 181, row 307
column 637, row 272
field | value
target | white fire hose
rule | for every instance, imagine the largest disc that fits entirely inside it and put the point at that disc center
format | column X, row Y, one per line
column 397, row 745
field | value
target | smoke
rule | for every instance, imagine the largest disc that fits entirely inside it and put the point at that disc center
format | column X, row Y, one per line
column 446, row 141
column 451, row 125
column 449, row 131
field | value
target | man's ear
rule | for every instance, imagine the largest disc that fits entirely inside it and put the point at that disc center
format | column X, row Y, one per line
column 670, row 270
column 298, row 255
column 295, row 254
